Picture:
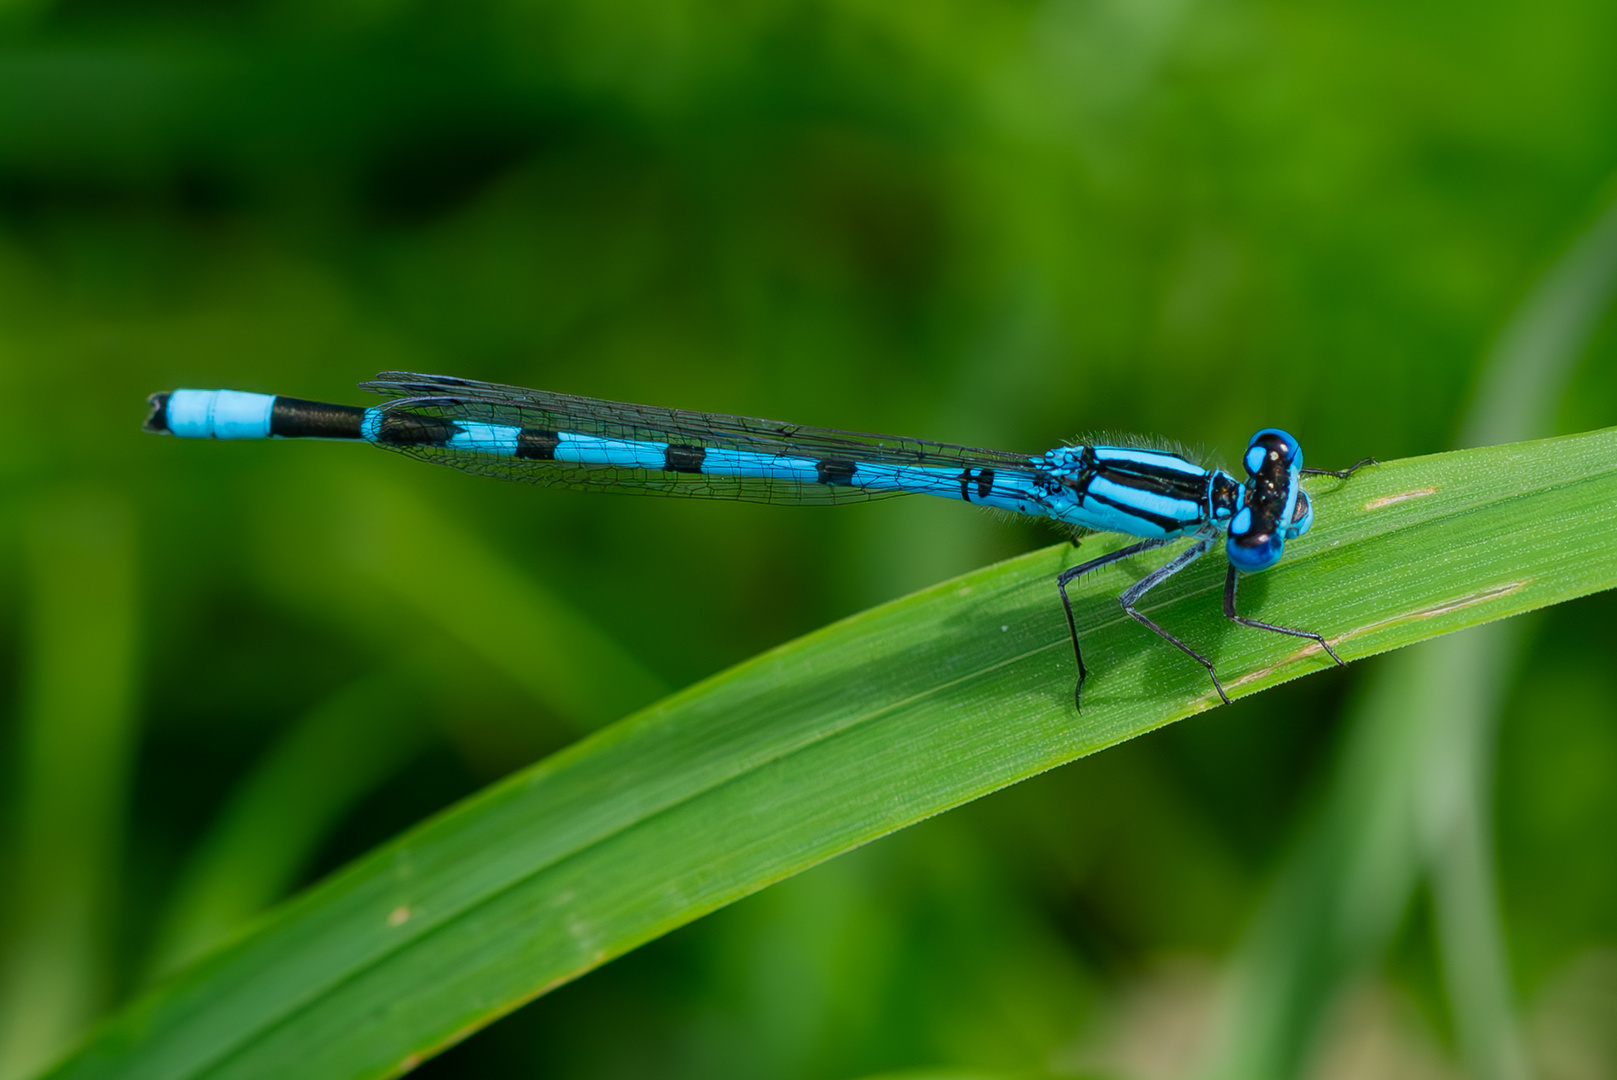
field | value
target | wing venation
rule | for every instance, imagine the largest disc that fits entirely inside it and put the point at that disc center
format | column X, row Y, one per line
column 689, row 439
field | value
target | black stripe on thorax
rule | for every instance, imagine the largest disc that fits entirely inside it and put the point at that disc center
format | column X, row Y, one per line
column 294, row 418
column 1169, row 482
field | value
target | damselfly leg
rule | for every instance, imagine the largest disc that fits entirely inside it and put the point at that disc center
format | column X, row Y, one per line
column 1341, row 474
column 1070, row 574
column 1133, row 593
column 1229, row 613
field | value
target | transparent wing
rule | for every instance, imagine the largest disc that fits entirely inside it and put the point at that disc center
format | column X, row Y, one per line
column 441, row 397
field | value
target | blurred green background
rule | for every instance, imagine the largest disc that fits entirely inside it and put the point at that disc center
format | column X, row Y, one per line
column 227, row 669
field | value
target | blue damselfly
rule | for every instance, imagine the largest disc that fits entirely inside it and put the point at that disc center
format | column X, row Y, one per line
column 587, row 444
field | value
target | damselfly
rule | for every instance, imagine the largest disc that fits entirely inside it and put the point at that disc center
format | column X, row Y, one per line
column 587, row 444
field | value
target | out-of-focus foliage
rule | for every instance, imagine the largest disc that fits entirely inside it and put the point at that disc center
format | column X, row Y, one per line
column 1003, row 224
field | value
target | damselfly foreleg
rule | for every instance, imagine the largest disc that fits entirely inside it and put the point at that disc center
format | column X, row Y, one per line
column 1341, row 474
column 1229, row 613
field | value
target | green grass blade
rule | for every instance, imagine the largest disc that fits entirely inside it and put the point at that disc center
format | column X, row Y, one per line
column 407, row 551
column 829, row 742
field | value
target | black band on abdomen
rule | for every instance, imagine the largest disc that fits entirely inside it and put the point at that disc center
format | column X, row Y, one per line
column 401, row 428
column 294, row 418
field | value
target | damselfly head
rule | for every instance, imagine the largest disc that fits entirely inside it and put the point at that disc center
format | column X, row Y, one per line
column 1274, row 509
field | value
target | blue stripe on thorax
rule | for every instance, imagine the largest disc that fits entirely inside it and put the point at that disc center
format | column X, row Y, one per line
column 1159, row 459
column 1103, row 495
column 1102, row 518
